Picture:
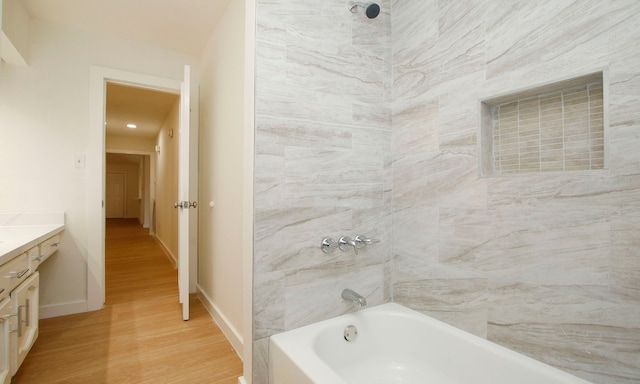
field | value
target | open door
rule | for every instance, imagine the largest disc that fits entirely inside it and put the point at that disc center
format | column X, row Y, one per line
column 185, row 203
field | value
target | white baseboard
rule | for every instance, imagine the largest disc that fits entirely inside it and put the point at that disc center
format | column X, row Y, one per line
column 63, row 309
column 221, row 320
column 241, row 380
column 172, row 258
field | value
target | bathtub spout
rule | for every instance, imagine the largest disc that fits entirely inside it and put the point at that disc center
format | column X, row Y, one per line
column 354, row 297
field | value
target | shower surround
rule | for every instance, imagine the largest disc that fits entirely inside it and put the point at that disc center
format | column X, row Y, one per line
column 322, row 163
column 371, row 126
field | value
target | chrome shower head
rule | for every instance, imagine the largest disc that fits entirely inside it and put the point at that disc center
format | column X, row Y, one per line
column 371, row 10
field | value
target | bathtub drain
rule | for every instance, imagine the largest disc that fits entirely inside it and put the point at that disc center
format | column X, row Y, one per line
column 350, row 333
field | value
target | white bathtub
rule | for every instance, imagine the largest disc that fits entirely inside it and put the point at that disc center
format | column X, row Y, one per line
column 395, row 344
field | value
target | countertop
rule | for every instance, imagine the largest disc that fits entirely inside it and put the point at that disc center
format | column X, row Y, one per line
column 20, row 232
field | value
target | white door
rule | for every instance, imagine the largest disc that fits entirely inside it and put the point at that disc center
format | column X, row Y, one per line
column 185, row 203
column 114, row 195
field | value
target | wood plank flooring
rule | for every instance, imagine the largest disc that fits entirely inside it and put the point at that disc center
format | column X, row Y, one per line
column 139, row 337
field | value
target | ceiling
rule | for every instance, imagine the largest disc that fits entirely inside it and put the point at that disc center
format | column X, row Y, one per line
column 145, row 108
column 177, row 25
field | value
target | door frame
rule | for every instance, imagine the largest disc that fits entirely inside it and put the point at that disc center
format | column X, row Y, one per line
column 96, row 154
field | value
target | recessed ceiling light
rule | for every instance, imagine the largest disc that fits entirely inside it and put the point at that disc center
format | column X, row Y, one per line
column 132, row 126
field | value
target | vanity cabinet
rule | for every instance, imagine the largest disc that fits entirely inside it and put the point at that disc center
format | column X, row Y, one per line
column 43, row 251
column 6, row 313
column 24, row 301
column 16, row 293
column 13, row 273
column 19, row 296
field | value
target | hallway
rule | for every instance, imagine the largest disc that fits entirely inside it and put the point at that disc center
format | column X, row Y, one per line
column 139, row 337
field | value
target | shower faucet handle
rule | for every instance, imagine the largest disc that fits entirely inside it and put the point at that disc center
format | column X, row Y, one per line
column 346, row 241
column 361, row 241
column 328, row 245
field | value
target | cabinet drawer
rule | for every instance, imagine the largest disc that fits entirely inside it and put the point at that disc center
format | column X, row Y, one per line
column 33, row 257
column 13, row 273
column 46, row 249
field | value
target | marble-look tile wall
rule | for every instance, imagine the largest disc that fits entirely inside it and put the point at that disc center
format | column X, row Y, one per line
column 322, row 162
column 548, row 265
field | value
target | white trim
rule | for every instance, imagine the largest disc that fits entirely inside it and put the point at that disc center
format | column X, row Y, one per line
column 173, row 259
column 230, row 332
column 55, row 310
column 241, row 380
column 96, row 167
column 248, row 188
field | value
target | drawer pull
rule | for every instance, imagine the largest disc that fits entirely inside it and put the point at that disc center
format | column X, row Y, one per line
column 51, row 245
column 20, row 320
column 38, row 258
column 27, row 311
column 17, row 274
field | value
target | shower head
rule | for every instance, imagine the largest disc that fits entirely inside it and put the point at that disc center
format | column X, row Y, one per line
column 372, row 10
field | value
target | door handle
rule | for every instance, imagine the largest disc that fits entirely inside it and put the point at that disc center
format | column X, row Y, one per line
column 185, row 204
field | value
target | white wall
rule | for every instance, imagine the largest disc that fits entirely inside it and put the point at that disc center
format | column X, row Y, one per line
column 147, row 192
column 322, row 163
column 127, row 144
column 44, row 119
column 543, row 263
column 221, row 172
column 166, row 180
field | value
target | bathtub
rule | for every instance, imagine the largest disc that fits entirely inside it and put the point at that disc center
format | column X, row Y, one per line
column 394, row 344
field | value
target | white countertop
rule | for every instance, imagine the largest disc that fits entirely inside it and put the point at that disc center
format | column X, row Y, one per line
column 21, row 232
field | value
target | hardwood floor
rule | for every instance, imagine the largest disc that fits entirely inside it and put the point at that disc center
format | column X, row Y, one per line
column 139, row 337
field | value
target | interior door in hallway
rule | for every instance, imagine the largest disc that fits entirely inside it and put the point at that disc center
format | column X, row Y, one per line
column 114, row 195
column 185, row 204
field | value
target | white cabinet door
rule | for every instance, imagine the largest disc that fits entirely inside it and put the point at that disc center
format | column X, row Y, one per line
column 5, row 342
column 24, row 301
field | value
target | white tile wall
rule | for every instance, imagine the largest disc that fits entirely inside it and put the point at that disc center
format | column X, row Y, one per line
column 372, row 127
column 323, row 162
column 543, row 264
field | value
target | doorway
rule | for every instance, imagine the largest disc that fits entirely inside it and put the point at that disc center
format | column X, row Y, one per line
column 139, row 127
column 100, row 77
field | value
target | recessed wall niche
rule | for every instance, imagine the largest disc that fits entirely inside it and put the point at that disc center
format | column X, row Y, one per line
column 557, row 127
